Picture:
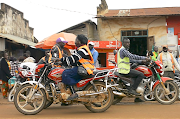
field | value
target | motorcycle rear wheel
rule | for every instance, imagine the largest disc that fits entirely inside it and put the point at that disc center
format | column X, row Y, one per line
column 164, row 99
column 107, row 101
column 29, row 106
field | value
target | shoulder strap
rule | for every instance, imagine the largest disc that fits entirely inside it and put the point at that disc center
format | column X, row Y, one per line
column 161, row 57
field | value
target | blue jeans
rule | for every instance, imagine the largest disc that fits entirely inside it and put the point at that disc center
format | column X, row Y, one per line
column 70, row 76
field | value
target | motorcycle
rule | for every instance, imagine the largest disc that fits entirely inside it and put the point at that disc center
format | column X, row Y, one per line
column 32, row 96
column 26, row 71
column 164, row 89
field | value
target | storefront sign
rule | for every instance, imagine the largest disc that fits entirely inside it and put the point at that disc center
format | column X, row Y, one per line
column 107, row 44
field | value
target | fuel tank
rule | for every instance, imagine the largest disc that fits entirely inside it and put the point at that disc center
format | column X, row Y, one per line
column 56, row 74
column 145, row 70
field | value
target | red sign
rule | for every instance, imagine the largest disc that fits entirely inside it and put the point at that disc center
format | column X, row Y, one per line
column 107, row 44
column 178, row 38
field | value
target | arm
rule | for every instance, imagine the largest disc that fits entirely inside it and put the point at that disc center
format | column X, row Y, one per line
column 95, row 56
column 135, row 61
column 74, row 59
column 126, row 53
column 176, row 64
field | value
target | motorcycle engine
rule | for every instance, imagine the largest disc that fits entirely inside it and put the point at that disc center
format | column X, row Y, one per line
column 142, row 85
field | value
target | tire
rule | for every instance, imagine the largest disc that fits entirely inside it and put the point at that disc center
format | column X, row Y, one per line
column 171, row 97
column 105, row 104
column 179, row 93
column 31, row 106
column 117, row 99
column 48, row 103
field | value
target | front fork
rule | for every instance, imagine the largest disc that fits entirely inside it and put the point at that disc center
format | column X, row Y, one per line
column 162, row 84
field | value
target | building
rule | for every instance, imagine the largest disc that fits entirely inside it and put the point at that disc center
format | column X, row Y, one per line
column 87, row 28
column 144, row 27
column 15, row 34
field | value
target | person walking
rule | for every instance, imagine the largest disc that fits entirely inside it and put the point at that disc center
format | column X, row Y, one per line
column 94, row 53
column 5, row 73
column 169, row 62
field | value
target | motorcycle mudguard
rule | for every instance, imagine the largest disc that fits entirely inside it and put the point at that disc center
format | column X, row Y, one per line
column 32, row 83
column 164, row 79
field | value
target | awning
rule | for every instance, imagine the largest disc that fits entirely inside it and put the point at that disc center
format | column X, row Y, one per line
column 17, row 39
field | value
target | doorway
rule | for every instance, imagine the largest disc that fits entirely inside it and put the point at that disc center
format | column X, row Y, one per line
column 138, row 45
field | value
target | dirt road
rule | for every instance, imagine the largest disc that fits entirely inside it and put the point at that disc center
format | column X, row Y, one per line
column 125, row 109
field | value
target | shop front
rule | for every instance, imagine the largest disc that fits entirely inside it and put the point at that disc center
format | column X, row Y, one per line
column 105, row 50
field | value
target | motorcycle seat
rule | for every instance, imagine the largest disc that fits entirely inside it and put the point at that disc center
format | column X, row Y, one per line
column 123, row 78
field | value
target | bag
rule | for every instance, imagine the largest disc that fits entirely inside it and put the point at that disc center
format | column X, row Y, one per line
column 82, row 71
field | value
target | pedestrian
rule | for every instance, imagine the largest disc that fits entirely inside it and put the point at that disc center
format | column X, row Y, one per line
column 5, row 73
column 14, row 66
column 169, row 62
column 155, row 53
column 94, row 53
column 28, row 57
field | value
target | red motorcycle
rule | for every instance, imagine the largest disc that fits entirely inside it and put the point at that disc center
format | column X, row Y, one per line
column 33, row 96
column 163, row 88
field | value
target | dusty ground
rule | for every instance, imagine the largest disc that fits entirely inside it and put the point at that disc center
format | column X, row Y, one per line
column 126, row 109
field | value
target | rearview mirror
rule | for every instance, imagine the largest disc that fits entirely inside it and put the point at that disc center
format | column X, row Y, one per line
column 115, row 52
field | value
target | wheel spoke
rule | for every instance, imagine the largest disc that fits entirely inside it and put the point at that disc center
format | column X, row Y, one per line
column 162, row 94
column 23, row 96
column 24, row 105
column 34, row 104
column 168, row 86
column 167, row 97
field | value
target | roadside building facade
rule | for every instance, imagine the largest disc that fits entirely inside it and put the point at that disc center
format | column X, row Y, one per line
column 144, row 27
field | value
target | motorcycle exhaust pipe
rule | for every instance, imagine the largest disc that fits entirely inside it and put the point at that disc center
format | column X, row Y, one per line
column 118, row 93
column 89, row 93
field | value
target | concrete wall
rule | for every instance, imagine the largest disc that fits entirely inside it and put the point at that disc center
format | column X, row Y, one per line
column 12, row 22
column 110, row 29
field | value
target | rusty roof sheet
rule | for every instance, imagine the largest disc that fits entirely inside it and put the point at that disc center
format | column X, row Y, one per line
column 143, row 12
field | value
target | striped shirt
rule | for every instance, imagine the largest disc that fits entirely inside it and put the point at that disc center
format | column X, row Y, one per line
column 73, row 60
column 126, row 53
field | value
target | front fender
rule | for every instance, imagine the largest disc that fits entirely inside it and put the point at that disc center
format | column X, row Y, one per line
column 164, row 79
column 33, row 83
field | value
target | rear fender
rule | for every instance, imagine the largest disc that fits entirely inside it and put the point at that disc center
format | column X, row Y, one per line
column 164, row 79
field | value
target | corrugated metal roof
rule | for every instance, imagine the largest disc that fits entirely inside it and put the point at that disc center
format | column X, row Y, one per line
column 143, row 12
column 17, row 39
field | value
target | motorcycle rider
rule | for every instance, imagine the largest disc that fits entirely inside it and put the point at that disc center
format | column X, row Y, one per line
column 57, row 51
column 81, row 57
column 123, row 60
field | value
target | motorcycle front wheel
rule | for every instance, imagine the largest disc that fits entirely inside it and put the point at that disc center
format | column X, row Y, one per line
column 29, row 106
column 106, row 98
column 164, row 98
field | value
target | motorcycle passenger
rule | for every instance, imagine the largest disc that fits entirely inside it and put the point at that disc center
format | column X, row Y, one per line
column 124, row 57
column 81, row 57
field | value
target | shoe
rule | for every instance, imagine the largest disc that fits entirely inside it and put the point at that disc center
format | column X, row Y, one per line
column 133, row 92
column 138, row 100
column 64, row 104
column 72, row 97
